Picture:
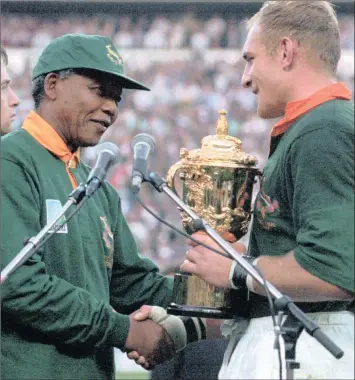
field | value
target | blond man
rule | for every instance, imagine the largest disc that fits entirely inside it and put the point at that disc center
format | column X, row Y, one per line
column 302, row 233
column 9, row 100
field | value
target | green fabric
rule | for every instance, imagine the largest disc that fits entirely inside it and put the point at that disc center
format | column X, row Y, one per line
column 80, row 51
column 57, row 317
column 306, row 201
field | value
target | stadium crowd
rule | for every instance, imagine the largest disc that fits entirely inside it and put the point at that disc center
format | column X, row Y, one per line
column 180, row 110
column 176, row 31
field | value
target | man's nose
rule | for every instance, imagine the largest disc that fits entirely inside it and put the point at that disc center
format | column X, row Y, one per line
column 246, row 80
column 14, row 101
column 109, row 107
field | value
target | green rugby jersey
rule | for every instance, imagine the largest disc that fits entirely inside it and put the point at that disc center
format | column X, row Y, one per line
column 306, row 198
column 57, row 316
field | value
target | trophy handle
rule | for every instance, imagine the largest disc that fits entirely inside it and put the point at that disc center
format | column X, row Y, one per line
column 171, row 175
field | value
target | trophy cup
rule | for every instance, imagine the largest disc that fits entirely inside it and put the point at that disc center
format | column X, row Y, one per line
column 217, row 183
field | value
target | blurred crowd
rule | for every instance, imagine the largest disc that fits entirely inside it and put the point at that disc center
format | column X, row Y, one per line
column 141, row 31
column 182, row 107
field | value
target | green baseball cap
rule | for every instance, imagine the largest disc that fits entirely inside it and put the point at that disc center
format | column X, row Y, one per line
column 82, row 51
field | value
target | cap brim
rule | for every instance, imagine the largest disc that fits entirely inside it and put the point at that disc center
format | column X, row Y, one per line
column 126, row 82
column 123, row 80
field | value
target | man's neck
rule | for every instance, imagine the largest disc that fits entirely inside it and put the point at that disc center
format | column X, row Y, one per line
column 308, row 85
column 54, row 122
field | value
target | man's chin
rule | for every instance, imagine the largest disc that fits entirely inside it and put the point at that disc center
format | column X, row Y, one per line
column 4, row 130
column 89, row 141
column 268, row 113
column 88, row 144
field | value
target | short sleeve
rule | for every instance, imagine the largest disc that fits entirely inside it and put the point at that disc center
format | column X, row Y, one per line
column 321, row 164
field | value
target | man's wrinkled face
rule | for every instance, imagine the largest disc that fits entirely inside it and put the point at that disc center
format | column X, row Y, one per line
column 9, row 101
column 264, row 75
column 86, row 107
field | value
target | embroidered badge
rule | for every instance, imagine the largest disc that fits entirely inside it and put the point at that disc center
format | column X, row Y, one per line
column 113, row 55
column 266, row 208
column 107, row 237
column 54, row 207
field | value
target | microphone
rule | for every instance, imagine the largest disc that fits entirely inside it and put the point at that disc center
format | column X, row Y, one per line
column 108, row 154
column 142, row 145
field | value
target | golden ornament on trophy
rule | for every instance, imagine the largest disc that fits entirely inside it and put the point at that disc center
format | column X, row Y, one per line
column 217, row 184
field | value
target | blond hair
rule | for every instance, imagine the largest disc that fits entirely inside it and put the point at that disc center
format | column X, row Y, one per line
column 313, row 24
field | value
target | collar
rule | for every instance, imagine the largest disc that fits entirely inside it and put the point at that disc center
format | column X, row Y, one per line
column 48, row 137
column 298, row 108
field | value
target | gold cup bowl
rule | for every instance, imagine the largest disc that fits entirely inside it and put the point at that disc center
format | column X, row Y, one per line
column 217, row 184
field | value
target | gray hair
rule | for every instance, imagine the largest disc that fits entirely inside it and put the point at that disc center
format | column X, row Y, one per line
column 38, row 85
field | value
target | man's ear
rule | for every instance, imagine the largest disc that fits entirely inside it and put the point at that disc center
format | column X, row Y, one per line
column 288, row 51
column 51, row 85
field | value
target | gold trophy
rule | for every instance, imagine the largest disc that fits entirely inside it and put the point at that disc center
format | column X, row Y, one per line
column 217, row 184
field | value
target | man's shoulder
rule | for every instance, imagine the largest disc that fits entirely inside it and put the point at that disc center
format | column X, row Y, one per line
column 17, row 145
column 333, row 118
column 335, row 114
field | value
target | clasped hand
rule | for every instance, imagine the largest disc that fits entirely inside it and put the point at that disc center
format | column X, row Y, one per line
column 165, row 335
column 148, row 341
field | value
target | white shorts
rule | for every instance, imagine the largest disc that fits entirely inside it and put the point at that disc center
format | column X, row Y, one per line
column 254, row 357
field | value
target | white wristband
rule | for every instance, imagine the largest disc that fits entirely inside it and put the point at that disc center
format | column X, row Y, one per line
column 249, row 281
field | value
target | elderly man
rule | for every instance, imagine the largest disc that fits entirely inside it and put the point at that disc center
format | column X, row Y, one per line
column 302, row 236
column 9, row 100
column 70, row 304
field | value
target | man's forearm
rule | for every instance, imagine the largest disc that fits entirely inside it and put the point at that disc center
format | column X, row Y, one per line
column 292, row 280
column 65, row 314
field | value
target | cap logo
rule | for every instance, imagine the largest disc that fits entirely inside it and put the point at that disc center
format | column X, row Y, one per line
column 113, row 56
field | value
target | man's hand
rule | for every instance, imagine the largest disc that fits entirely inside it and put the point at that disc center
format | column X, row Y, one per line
column 149, row 341
column 182, row 330
column 208, row 265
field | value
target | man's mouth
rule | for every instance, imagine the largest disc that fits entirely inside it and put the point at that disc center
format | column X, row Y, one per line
column 104, row 123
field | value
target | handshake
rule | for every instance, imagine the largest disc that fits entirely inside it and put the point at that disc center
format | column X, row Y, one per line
column 155, row 336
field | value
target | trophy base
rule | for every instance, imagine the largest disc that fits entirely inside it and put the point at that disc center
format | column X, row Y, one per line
column 194, row 297
column 201, row 312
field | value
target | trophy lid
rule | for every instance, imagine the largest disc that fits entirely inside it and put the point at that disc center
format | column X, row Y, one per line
column 219, row 150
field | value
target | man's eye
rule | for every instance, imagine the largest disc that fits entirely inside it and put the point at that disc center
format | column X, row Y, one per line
column 97, row 90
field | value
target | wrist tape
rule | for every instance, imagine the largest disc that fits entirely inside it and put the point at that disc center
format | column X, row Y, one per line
column 238, row 275
column 182, row 330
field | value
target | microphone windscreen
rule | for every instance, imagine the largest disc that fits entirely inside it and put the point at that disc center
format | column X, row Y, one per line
column 110, row 148
column 144, row 138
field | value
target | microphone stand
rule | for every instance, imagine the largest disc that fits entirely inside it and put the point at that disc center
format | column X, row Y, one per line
column 296, row 319
column 77, row 197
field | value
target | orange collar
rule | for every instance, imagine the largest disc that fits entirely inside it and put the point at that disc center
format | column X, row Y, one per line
column 298, row 108
column 48, row 137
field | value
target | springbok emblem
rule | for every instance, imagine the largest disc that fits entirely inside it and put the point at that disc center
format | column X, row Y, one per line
column 113, row 55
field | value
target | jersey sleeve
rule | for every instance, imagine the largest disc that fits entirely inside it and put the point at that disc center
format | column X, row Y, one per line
column 321, row 171
column 135, row 279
